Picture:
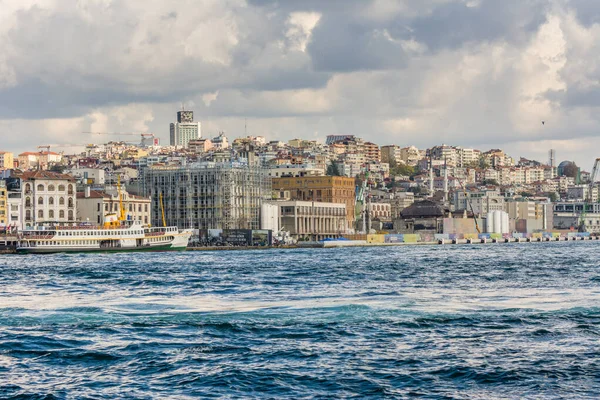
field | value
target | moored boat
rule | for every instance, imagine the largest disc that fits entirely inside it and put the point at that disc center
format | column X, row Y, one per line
column 132, row 236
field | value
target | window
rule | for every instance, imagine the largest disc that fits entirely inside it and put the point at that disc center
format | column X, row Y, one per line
column 27, row 188
column 70, row 215
column 51, row 201
column 40, row 200
column 61, row 201
column 41, row 214
column 105, row 206
column 51, row 188
column 61, row 214
column 130, row 207
column 27, row 201
column 51, row 214
column 61, row 188
column 40, row 187
column 70, row 189
column 28, row 214
column 98, row 208
column 70, row 202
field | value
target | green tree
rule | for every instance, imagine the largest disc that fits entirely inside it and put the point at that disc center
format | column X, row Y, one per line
column 490, row 182
column 333, row 169
column 571, row 170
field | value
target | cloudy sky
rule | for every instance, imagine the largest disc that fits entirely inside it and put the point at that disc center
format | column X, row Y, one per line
column 476, row 73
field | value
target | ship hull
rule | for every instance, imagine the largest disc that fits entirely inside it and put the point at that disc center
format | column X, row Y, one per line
column 38, row 250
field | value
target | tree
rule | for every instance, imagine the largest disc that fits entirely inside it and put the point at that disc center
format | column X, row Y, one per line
column 571, row 170
column 492, row 182
column 57, row 168
column 401, row 169
column 553, row 197
column 333, row 169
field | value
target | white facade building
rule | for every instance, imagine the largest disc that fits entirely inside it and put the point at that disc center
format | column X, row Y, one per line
column 185, row 129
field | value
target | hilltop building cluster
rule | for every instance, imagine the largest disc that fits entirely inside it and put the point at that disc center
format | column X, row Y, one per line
column 300, row 189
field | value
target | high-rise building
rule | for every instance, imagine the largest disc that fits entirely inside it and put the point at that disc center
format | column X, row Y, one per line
column 185, row 129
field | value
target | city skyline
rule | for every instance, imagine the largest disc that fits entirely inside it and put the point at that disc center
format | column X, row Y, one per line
column 468, row 73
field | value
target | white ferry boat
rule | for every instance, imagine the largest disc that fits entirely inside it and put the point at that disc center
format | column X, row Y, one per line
column 111, row 238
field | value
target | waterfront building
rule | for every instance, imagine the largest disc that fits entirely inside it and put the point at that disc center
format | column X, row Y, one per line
column 571, row 215
column 93, row 206
column 185, row 129
column 328, row 189
column 421, row 217
column 207, row 194
column 307, row 219
column 6, row 160
column 47, row 197
column 479, row 202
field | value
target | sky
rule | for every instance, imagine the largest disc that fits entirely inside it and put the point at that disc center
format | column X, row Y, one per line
column 471, row 73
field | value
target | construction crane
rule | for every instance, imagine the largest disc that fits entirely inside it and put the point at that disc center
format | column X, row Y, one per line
column 468, row 200
column 588, row 196
column 117, row 133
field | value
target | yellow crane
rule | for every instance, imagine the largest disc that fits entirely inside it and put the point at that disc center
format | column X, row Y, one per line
column 162, row 210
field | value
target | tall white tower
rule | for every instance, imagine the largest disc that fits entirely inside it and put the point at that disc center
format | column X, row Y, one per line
column 185, row 129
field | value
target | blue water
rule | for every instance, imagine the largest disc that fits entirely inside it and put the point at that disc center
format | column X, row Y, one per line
column 477, row 322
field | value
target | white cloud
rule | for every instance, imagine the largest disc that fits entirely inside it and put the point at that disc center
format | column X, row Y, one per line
column 463, row 72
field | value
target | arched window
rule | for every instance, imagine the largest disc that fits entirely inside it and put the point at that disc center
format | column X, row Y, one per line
column 51, row 214
column 70, row 215
column 28, row 214
column 61, row 201
column 61, row 188
column 70, row 202
column 51, row 201
column 70, row 189
column 130, row 207
column 41, row 214
column 61, row 214
column 40, row 187
column 51, row 188
column 40, row 200
column 27, row 187
column 27, row 201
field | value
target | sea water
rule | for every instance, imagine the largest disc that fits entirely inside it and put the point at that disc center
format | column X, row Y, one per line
column 479, row 322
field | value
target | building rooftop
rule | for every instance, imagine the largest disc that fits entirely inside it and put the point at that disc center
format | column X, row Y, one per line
column 423, row 209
